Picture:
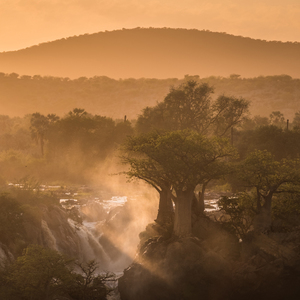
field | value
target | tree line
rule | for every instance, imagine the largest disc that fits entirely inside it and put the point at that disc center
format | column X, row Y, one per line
column 101, row 95
column 51, row 148
column 41, row 273
column 189, row 140
column 181, row 147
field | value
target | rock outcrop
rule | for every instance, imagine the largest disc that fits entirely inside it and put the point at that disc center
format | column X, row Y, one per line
column 211, row 265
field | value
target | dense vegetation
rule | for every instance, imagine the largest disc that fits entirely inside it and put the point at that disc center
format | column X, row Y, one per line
column 113, row 98
column 72, row 148
column 41, row 273
column 190, row 141
column 185, row 148
column 50, row 148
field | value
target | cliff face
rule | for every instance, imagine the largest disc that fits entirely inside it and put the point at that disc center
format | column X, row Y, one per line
column 84, row 232
column 52, row 227
column 211, row 265
column 54, row 232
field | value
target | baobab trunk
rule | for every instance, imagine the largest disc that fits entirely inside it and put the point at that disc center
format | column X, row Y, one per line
column 183, row 213
column 258, row 203
column 165, row 211
column 264, row 218
column 42, row 146
column 198, row 204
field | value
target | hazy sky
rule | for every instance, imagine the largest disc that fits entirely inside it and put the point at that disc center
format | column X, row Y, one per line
column 28, row 22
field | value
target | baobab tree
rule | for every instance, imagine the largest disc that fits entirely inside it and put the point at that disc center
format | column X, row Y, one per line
column 180, row 158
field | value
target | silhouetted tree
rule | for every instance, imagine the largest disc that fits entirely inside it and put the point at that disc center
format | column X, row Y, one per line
column 277, row 119
column 190, row 106
column 39, row 125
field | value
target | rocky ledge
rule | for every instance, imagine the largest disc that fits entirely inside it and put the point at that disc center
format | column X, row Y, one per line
column 212, row 264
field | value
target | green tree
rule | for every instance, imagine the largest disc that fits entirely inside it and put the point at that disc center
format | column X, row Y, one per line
column 239, row 213
column 39, row 125
column 46, row 274
column 190, row 106
column 145, row 168
column 281, row 143
column 182, row 158
column 88, row 285
column 261, row 171
column 296, row 120
column 40, row 274
column 11, row 222
column 88, row 137
column 277, row 119
column 121, row 131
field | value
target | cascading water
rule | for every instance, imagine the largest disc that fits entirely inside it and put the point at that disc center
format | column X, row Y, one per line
column 91, row 249
column 94, row 216
column 106, row 231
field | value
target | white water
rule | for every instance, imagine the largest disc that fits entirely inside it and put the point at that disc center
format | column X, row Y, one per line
column 91, row 249
column 114, row 202
column 89, row 234
column 213, row 205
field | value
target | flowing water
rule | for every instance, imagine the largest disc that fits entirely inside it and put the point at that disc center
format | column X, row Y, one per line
column 105, row 221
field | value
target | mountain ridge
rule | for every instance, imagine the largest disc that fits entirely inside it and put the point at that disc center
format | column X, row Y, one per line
column 155, row 53
column 151, row 28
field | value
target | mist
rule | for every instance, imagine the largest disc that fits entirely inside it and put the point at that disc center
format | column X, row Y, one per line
column 256, row 19
column 132, row 171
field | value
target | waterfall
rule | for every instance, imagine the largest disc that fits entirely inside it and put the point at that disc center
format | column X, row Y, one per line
column 91, row 249
column 48, row 236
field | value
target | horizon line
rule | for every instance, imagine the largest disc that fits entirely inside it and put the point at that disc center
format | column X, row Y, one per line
column 134, row 28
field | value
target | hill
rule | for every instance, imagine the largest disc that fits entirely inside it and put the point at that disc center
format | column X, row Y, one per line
column 20, row 95
column 155, row 53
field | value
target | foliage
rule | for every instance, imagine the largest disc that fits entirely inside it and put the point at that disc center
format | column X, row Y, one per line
column 296, row 120
column 269, row 177
column 190, row 106
column 262, row 171
column 182, row 158
column 115, row 98
column 177, row 159
column 21, row 206
column 39, row 125
column 277, row 119
column 68, row 148
column 286, row 208
column 239, row 213
column 88, row 284
column 42, row 273
column 10, row 219
column 39, row 273
column 278, row 141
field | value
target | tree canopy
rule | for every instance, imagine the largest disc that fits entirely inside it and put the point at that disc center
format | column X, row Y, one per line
column 178, row 159
column 42, row 273
column 190, row 106
column 268, row 176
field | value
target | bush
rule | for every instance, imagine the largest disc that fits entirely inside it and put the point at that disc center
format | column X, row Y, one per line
column 42, row 273
column 239, row 213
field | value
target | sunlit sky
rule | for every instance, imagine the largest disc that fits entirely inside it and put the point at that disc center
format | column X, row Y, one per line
column 28, row 22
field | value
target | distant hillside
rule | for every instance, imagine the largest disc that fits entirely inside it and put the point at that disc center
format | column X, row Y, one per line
column 155, row 53
column 116, row 98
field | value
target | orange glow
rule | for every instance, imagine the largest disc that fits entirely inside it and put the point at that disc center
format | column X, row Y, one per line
column 25, row 23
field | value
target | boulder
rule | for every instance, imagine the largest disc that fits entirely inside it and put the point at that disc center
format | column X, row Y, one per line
column 212, row 264
column 93, row 211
